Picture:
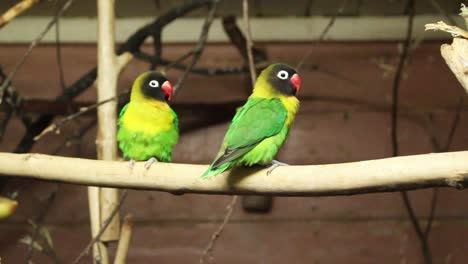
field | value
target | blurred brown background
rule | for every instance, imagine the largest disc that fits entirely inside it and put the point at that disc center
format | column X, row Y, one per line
column 344, row 116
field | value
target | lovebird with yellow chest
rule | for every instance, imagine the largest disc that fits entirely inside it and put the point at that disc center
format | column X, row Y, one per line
column 261, row 126
column 148, row 127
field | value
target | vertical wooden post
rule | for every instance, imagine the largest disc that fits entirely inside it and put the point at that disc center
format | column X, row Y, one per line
column 99, row 250
column 107, row 114
column 103, row 200
column 124, row 242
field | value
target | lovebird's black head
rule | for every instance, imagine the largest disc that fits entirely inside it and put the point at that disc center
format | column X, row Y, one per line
column 283, row 79
column 153, row 85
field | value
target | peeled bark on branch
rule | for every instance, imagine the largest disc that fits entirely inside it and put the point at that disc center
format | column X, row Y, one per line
column 456, row 57
column 456, row 54
column 448, row 169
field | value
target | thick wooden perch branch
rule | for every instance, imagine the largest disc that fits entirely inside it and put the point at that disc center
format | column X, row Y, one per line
column 448, row 169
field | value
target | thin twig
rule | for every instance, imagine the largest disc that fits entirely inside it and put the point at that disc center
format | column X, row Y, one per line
column 132, row 44
column 197, row 51
column 397, row 79
column 4, row 122
column 177, row 61
column 455, row 123
column 39, row 221
column 248, row 38
column 105, row 224
column 439, row 9
column 12, row 101
column 394, row 125
column 307, row 8
column 55, row 127
column 237, row 38
column 448, row 143
column 327, row 28
column 33, row 44
column 122, row 62
column 214, row 237
column 58, row 49
column 432, row 210
column 195, row 70
column 16, row 10
column 76, row 136
column 426, row 251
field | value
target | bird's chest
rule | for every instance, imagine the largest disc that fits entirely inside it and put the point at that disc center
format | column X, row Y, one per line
column 147, row 120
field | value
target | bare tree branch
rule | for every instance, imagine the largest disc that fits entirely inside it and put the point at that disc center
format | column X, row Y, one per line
column 124, row 240
column 200, row 44
column 240, row 42
column 106, row 136
column 58, row 48
column 122, row 62
column 105, row 224
column 75, row 137
column 394, row 131
column 249, row 43
column 38, row 225
column 55, row 127
column 448, row 143
column 448, row 169
column 207, row 252
column 16, row 10
column 323, row 34
column 33, row 44
column 132, row 45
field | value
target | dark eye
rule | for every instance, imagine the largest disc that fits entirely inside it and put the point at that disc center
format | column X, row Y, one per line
column 283, row 75
column 154, row 84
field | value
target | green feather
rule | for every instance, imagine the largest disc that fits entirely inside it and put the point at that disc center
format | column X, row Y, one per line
column 255, row 135
column 138, row 145
column 122, row 111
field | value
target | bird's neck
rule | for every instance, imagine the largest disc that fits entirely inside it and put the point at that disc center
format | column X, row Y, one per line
column 264, row 90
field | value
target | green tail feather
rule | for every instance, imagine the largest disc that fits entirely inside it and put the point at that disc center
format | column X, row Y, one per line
column 210, row 172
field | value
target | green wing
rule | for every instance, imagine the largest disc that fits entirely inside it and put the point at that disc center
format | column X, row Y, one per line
column 256, row 120
column 176, row 121
column 123, row 111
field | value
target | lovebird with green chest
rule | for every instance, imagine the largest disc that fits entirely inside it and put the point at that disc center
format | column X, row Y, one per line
column 261, row 125
column 148, row 127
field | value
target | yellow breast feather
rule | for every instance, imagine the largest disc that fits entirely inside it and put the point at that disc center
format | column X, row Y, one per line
column 149, row 117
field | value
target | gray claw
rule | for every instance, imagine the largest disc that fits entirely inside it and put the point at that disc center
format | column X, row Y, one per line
column 275, row 164
column 150, row 162
column 131, row 164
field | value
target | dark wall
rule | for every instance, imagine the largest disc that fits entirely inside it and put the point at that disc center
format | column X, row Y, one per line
column 344, row 116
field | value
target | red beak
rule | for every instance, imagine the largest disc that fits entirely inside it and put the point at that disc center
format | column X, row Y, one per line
column 296, row 82
column 167, row 89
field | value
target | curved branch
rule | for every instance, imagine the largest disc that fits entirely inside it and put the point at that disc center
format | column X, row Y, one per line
column 16, row 10
column 448, row 169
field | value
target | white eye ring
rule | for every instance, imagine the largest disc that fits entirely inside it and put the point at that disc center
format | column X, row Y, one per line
column 283, row 75
column 154, row 84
